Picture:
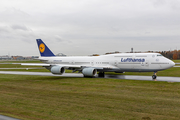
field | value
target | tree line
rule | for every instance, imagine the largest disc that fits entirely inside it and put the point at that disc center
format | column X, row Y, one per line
column 171, row 54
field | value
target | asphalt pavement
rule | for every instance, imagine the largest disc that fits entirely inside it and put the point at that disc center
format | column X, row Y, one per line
column 127, row 77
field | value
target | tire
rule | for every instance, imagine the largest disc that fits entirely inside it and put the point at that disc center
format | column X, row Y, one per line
column 101, row 74
column 154, row 77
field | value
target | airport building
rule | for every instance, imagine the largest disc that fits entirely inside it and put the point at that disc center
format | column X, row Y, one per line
column 5, row 57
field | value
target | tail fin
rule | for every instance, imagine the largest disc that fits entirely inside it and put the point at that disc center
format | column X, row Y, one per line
column 43, row 49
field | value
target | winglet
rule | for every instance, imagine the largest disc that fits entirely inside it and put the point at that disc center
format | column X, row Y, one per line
column 43, row 49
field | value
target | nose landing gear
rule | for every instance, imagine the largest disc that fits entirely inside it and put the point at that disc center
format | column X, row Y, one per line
column 154, row 76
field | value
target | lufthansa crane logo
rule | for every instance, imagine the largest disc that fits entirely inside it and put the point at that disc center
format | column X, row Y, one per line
column 41, row 47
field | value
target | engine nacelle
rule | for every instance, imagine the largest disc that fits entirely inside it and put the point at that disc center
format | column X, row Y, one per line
column 89, row 72
column 57, row 70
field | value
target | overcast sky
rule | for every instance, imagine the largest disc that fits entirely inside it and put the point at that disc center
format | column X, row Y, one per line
column 85, row 27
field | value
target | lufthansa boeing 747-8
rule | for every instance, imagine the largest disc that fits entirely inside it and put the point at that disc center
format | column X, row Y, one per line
column 91, row 65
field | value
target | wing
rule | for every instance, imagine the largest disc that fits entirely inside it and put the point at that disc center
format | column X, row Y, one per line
column 47, row 65
column 68, row 66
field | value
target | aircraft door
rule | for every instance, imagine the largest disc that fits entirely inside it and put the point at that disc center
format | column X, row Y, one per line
column 145, row 64
column 115, row 63
column 92, row 63
column 72, row 62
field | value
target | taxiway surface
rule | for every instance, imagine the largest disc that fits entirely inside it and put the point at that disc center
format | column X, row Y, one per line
column 2, row 117
column 127, row 77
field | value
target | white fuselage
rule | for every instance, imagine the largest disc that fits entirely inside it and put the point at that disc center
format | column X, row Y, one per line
column 122, row 62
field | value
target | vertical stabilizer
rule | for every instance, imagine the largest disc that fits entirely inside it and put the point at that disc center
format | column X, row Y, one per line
column 43, row 49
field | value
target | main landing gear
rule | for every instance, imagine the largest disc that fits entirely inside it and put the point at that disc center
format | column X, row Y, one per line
column 154, row 76
column 101, row 74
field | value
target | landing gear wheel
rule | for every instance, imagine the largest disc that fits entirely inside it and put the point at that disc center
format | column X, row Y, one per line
column 154, row 77
column 101, row 74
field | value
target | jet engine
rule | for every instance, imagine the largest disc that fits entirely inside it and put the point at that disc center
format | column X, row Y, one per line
column 57, row 70
column 89, row 72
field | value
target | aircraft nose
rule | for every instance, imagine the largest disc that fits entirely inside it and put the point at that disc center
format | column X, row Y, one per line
column 171, row 63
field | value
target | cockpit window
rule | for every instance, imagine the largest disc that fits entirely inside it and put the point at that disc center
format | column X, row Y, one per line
column 159, row 55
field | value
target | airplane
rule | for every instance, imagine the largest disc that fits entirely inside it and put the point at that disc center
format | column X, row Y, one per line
column 89, row 66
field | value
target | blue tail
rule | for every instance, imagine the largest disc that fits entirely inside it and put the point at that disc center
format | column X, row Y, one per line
column 43, row 49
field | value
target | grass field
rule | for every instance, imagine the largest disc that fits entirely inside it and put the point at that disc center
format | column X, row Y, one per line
column 176, row 61
column 63, row 98
column 55, row 98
